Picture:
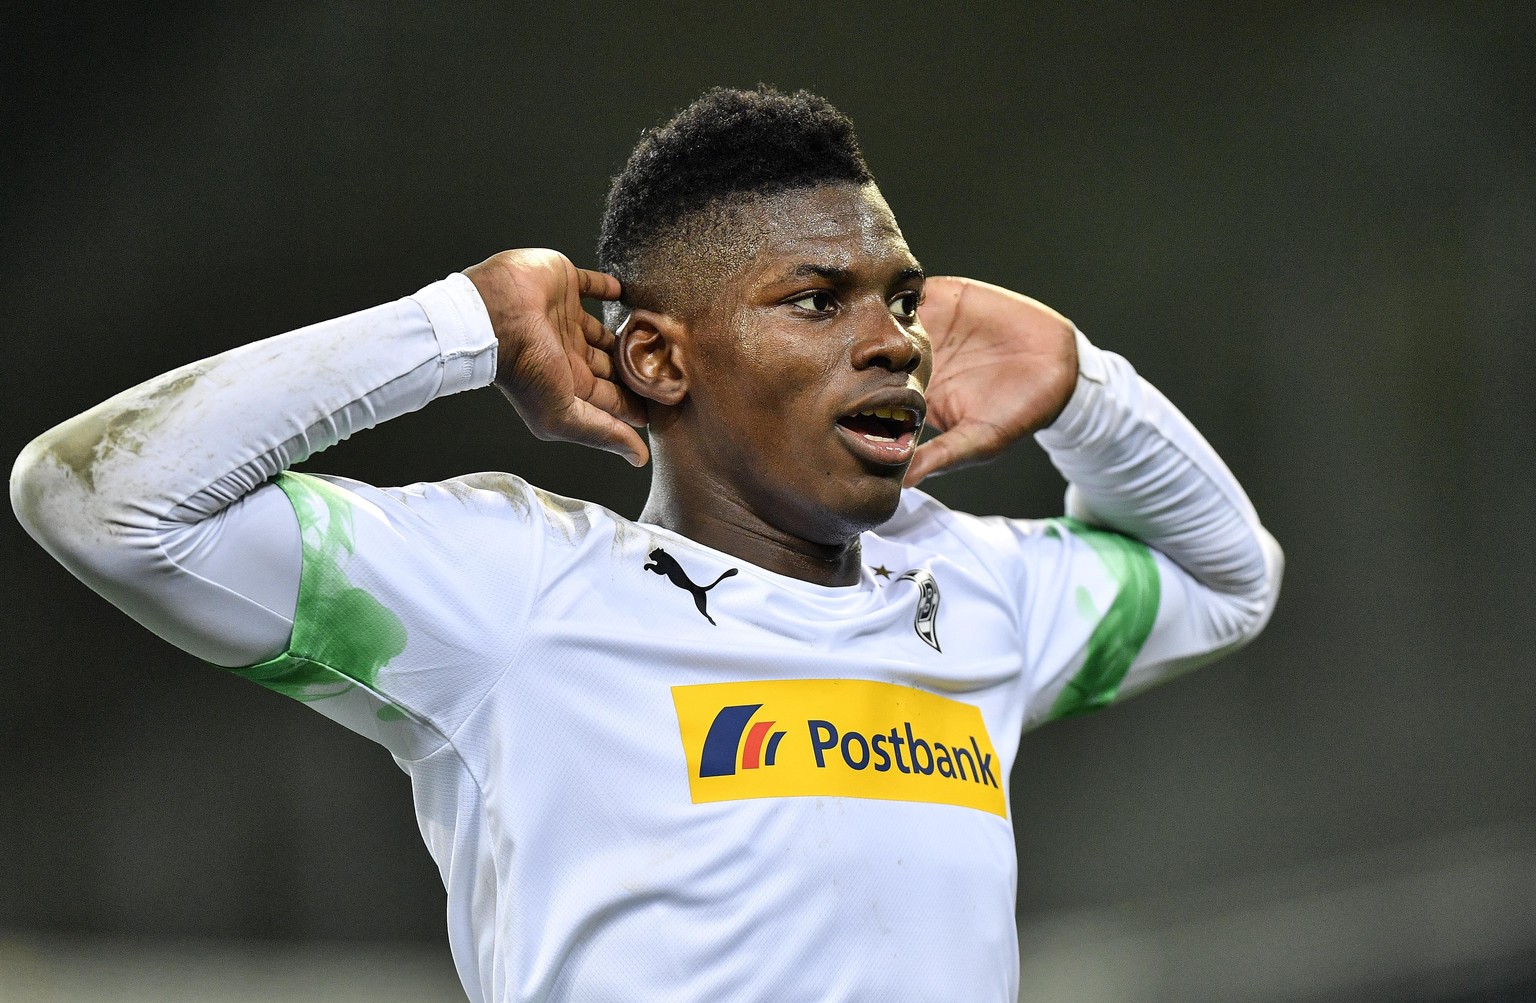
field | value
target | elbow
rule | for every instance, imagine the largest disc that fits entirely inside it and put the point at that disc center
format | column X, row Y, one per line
column 33, row 483
column 53, row 493
column 1262, row 599
column 1274, row 570
column 56, row 499
column 1238, row 610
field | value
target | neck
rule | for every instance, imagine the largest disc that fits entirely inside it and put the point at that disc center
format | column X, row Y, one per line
column 714, row 515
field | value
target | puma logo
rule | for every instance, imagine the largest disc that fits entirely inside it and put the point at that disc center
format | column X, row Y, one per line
column 663, row 563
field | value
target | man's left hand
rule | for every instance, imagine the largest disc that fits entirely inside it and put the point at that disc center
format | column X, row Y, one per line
column 1004, row 366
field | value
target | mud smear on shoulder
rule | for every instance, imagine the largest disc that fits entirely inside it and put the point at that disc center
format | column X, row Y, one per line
column 629, row 538
column 566, row 516
column 513, row 489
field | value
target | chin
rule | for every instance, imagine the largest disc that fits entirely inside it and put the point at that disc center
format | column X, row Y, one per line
column 888, row 501
column 868, row 508
column 832, row 512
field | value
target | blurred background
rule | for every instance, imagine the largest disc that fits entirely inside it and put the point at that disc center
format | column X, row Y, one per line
column 1316, row 232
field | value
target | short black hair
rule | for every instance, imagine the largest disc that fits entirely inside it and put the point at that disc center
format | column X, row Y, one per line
column 726, row 148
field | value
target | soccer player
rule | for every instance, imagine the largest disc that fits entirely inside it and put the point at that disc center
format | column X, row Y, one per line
column 755, row 744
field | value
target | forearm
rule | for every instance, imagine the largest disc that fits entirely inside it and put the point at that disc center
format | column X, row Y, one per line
column 1137, row 465
column 132, row 494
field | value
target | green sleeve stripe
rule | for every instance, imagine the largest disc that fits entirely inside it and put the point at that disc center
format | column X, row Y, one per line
column 342, row 635
column 1123, row 628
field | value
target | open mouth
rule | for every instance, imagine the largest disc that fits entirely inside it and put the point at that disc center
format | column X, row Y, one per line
column 881, row 424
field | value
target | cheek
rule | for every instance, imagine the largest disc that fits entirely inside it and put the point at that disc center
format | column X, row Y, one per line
column 774, row 383
column 780, row 372
column 749, row 343
column 743, row 394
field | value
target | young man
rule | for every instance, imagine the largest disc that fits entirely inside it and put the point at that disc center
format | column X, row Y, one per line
column 754, row 745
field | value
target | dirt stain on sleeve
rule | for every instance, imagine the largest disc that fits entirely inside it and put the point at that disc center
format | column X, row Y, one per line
column 118, row 425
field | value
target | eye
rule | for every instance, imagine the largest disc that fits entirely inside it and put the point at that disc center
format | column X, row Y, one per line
column 904, row 306
column 819, row 301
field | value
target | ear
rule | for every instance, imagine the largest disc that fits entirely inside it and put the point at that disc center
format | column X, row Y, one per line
column 652, row 356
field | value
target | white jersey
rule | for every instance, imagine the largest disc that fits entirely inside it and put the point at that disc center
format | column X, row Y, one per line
column 645, row 768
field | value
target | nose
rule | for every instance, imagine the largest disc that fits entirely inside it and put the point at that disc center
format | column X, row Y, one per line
column 886, row 343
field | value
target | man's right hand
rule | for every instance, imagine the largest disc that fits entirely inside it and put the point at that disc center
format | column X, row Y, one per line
column 554, row 360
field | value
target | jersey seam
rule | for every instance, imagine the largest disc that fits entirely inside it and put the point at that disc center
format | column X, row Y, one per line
column 416, row 715
column 521, row 644
column 422, row 719
column 451, row 738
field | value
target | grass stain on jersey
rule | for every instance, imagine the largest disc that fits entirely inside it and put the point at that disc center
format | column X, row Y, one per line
column 1124, row 627
column 342, row 635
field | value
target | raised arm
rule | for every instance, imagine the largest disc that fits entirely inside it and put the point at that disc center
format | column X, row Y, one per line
column 1005, row 366
column 160, row 498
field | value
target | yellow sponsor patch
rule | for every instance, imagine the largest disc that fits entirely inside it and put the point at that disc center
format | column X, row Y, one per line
column 841, row 737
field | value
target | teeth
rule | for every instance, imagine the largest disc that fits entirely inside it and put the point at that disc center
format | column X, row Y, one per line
column 890, row 413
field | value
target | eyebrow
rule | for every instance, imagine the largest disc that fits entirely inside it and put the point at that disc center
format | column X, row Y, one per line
column 844, row 276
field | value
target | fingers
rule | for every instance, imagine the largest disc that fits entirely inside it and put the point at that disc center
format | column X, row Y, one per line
column 609, row 392
column 619, row 401
column 598, row 336
column 589, row 425
column 601, row 344
column 964, row 445
column 598, row 285
column 601, row 363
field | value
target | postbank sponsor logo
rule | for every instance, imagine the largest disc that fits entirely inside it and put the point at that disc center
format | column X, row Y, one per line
column 839, row 737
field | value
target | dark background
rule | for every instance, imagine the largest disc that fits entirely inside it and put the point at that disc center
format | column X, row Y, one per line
column 1315, row 232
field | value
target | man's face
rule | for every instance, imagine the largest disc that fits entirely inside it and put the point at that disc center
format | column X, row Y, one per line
column 808, row 368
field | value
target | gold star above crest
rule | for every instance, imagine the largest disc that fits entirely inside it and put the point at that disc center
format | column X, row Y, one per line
column 882, row 571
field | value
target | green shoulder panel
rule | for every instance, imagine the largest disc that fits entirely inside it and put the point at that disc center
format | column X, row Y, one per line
column 342, row 635
column 1124, row 627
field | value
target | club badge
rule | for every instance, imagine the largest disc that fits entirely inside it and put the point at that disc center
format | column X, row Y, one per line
column 926, row 621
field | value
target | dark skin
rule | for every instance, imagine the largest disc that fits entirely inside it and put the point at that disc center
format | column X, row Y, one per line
column 753, row 401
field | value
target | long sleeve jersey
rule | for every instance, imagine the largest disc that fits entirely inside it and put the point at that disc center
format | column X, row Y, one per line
column 647, row 769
